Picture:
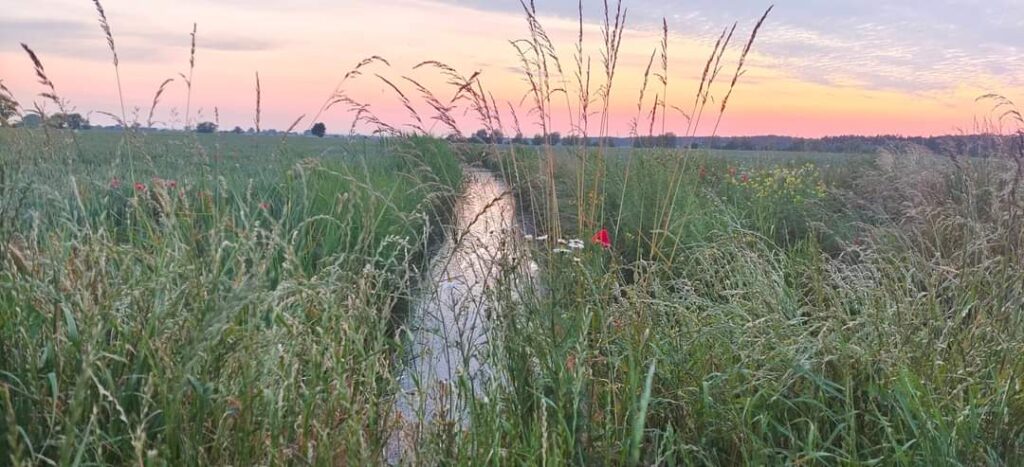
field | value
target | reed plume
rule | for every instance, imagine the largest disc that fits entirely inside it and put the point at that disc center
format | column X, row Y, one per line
column 105, row 26
column 156, row 100
column 42, row 77
column 259, row 98
column 188, row 79
column 739, row 67
column 338, row 95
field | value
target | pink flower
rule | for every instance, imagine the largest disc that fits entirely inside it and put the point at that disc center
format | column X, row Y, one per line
column 172, row 184
column 602, row 238
column 140, row 187
column 115, row 183
column 265, row 206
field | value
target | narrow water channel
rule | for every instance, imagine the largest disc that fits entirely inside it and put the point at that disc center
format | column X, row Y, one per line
column 446, row 355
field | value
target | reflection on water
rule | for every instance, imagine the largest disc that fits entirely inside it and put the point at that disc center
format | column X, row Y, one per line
column 449, row 324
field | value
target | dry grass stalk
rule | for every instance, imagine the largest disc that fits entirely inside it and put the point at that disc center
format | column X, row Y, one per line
column 188, row 79
column 442, row 111
column 707, row 79
column 739, row 67
column 105, row 26
column 338, row 95
column 156, row 100
column 418, row 125
column 663, row 77
column 44, row 80
column 259, row 98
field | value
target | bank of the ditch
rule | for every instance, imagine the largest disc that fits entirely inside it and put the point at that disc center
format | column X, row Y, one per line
column 197, row 310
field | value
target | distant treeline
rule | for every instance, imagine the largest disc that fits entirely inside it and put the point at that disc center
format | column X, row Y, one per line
column 969, row 145
column 981, row 145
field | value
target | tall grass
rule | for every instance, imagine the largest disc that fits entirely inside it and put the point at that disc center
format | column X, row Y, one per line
column 849, row 312
column 216, row 319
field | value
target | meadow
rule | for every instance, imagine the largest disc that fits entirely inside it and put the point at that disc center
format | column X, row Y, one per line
column 238, row 300
column 193, row 307
column 825, row 309
column 176, row 298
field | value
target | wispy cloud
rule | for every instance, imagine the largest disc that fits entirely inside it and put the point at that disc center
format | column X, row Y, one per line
column 77, row 38
column 912, row 45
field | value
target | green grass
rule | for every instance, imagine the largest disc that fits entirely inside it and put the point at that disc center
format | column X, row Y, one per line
column 244, row 315
column 874, row 321
column 753, row 308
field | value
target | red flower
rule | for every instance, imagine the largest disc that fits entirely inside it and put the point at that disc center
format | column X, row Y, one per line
column 602, row 238
column 264, row 206
column 115, row 183
column 139, row 186
column 172, row 184
column 703, row 172
column 744, row 178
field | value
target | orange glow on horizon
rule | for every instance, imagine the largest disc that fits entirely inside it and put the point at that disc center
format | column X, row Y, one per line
column 301, row 55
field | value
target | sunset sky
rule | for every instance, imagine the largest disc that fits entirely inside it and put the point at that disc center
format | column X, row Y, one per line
column 912, row 67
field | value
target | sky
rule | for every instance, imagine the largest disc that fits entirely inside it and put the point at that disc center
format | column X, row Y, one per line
column 909, row 67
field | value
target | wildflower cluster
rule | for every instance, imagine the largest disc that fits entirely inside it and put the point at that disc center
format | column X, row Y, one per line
column 601, row 238
column 793, row 184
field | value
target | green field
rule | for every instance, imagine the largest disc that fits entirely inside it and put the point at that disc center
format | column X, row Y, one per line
column 243, row 303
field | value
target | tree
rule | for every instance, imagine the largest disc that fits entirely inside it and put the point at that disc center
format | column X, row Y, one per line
column 31, row 120
column 538, row 140
column 554, row 138
column 572, row 140
column 206, row 127
column 238, row 130
column 519, row 139
column 481, row 136
column 62, row 121
column 8, row 109
column 319, row 130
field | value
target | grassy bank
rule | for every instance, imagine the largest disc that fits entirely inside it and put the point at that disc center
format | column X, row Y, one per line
column 834, row 310
column 229, row 302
